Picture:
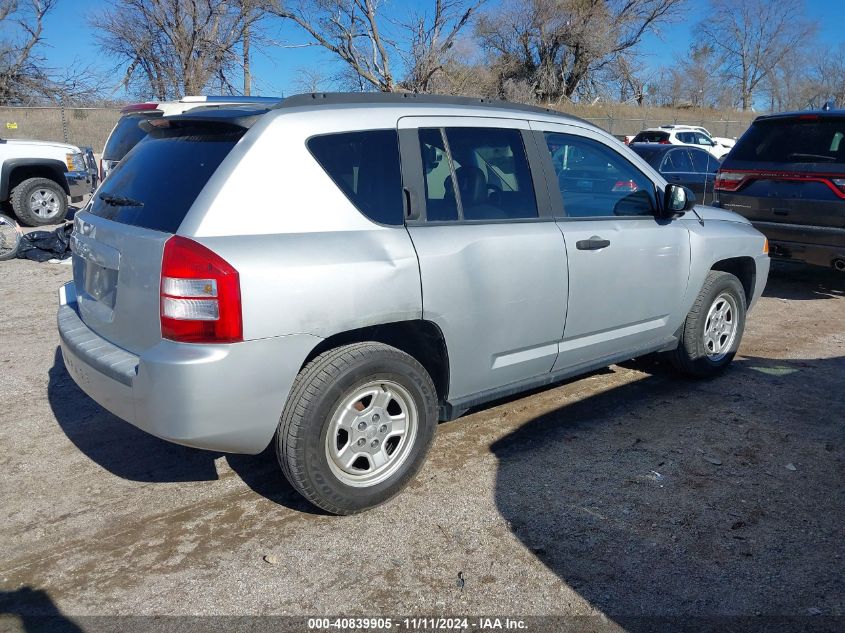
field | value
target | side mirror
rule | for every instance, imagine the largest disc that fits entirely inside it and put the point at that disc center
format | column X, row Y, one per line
column 677, row 200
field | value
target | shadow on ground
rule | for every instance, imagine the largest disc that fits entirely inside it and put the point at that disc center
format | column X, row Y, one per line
column 667, row 497
column 130, row 453
column 789, row 280
column 32, row 611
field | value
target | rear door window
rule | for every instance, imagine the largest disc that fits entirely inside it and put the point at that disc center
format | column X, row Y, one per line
column 157, row 182
column 441, row 204
column 677, row 161
column 703, row 162
column 365, row 166
column 810, row 140
column 476, row 173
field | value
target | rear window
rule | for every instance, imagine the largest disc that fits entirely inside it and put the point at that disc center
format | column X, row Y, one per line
column 126, row 135
column 158, row 181
column 365, row 166
column 651, row 137
column 793, row 141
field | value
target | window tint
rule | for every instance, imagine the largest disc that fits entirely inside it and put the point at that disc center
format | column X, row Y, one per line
column 596, row 181
column 440, row 202
column 677, row 160
column 365, row 166
column 686, row 137
column 793, row 141
column 126, row 135
column 163, row 175
column 492, row 173
column 488, row 166
column 702, row 161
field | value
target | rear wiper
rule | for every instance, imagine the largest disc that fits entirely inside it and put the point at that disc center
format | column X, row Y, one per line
column 821, row 156
column 120, row 201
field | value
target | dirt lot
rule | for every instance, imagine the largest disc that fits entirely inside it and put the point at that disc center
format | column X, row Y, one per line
column 629, row 493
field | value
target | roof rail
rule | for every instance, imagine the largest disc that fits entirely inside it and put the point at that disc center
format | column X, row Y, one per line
column 242, row 99
column 387, row 98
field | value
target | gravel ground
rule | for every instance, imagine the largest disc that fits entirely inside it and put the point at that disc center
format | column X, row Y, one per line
column 628, row 493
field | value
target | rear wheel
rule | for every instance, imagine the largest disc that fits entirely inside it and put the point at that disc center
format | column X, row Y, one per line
column 357, row 426
column 39, row 201
column 713, row 328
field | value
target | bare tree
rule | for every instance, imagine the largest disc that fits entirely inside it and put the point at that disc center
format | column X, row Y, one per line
column 557, row 44
column 701, row 83
column 364, row 39
column 351, row 30
column 432, row 39
column 22, row 71
column 754, row 36
column 176, row 47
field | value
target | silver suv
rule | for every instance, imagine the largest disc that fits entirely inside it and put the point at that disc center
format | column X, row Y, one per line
column 339, row 272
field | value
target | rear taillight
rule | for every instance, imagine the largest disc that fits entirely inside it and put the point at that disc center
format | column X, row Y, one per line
column 729, row 180
column 200, row 295
column 625, row 185
column 664, row 142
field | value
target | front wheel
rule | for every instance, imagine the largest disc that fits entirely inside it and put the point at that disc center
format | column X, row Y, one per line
column 39, row 201
column 713, row 328
column 357, row 426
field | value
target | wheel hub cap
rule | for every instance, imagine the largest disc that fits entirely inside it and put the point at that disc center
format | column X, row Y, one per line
column 371, row 433
column 720, row 327
column 44, row 203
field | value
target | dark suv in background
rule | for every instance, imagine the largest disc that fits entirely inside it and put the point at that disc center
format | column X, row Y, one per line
column 787, row 175
column 127, row 133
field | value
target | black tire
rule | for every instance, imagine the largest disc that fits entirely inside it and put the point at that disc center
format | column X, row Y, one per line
column 21, row 201
column 692, row 357
column 318, row 392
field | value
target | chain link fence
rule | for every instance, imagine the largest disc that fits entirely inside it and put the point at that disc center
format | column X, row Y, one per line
column 630, row 127
column 78, row 126
column 90, row 126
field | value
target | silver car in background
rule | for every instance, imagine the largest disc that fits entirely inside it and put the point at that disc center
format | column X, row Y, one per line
column 339, row 272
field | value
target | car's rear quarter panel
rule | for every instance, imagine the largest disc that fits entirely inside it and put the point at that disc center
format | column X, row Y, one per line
column 309, row 261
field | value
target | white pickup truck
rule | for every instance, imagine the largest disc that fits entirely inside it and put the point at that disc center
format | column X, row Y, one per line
column 38, row 177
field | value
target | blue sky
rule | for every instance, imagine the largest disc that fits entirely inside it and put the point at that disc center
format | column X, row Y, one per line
column 69, row 38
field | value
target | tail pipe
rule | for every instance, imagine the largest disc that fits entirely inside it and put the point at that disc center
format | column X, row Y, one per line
column 839, row 264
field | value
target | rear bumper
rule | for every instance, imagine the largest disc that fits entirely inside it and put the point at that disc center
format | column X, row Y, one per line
column 218, row 397
column 818, row 245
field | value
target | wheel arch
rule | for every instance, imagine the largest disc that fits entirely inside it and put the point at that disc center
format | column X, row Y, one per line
column 16, row 170
column 744, row 269
column 423, row 340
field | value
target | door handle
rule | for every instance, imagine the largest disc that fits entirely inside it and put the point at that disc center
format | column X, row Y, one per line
column 592, row 244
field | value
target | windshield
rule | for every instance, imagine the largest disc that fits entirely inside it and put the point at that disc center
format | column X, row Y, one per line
column 810, row 140
column 158, row 181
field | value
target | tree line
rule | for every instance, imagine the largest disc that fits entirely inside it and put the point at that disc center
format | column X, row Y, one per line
column 745, row 53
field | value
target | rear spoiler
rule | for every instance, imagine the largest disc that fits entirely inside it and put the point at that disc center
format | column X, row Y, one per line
column 232, row 117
